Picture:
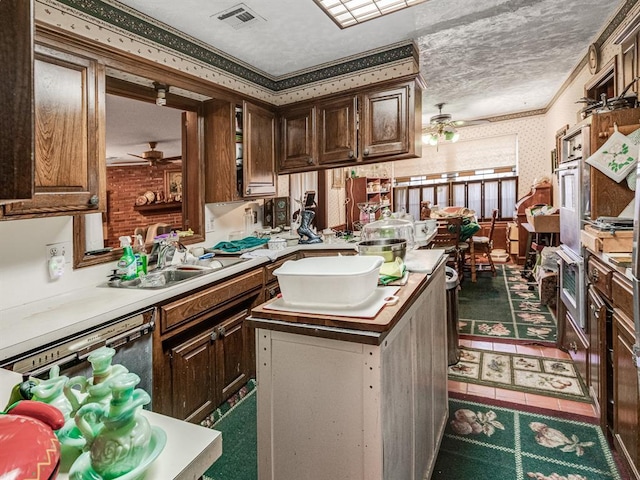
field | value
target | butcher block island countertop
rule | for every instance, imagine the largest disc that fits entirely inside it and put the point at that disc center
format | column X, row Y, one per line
column 354, row 398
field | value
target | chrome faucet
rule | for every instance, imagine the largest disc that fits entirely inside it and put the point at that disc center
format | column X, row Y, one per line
column 168, row 246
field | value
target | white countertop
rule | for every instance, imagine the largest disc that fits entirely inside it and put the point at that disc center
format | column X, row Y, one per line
column 189, row 451
column 35, row 324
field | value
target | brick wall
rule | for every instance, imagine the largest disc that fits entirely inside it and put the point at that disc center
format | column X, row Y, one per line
column 124, row 185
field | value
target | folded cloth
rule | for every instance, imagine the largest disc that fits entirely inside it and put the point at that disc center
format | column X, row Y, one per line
column 262, row 252
column 390, row 271
column 235, row 246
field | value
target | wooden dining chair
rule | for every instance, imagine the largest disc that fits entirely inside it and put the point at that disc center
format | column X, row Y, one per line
column 483, row 245
column 448, row 238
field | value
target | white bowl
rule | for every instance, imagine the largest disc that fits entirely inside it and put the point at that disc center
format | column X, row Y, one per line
column 329, row 281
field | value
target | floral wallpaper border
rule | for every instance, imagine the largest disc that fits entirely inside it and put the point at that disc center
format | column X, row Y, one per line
column 165, row 36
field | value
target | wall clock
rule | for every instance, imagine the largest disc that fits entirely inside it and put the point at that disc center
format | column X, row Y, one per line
column 593, row 58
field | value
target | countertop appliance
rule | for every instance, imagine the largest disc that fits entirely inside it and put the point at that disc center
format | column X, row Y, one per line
column 130, row 336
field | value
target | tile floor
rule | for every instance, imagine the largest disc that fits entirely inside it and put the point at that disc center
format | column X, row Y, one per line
column 579, row 408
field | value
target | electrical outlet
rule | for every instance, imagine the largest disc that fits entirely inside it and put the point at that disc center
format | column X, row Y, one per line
column 61, row 248
column 210, row 224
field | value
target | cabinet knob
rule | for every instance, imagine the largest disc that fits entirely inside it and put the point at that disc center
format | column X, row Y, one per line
column 272, row 292
column 573, row 346
column 366, row 152
column 214, row 336
column 310, row 161
column 94, row 200
column 603, row 135
column 351, row 154
column 594, row 275
column 594, row 311
column 221, row 331
column 248, row 191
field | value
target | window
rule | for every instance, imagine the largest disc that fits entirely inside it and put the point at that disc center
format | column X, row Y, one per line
column 481, row 191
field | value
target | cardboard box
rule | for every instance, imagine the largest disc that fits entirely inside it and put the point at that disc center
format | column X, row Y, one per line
column 543, row 223
column 599, row 241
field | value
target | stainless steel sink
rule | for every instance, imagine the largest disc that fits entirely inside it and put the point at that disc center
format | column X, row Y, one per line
column 175, row 274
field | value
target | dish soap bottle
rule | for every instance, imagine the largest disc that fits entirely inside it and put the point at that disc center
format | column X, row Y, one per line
column 127, row 263
column 141, row 255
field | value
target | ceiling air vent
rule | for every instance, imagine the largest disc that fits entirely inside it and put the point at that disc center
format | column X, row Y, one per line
column 239, row 16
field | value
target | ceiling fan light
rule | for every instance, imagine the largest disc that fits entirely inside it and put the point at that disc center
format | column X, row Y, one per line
column 456, row 137
column 432, row 139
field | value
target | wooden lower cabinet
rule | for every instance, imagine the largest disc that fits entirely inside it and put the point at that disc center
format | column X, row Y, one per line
column 596, row 313
column 575, row 342
column 625, row 393
column 206, row 352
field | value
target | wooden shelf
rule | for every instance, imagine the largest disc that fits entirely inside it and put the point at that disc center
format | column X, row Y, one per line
column 154, row 208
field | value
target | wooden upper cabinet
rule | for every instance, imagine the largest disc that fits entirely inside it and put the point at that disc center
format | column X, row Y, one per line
column 221, row 173
column 298, row 148
column 259, row 151
column 371, row 125
column 240, row 156
column 609, row 198
column 16, row 98
column 69, row 136
column 385, row 121
column 337, row 135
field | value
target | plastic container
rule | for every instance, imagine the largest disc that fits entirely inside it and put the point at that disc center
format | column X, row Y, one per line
column 329, row 281
column 277, row 244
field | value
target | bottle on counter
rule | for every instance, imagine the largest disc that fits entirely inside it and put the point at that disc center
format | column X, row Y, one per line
column 140, row 253
column 127, row 263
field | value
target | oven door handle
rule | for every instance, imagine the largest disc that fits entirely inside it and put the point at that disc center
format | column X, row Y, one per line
column 566, row 258
column 564, row 168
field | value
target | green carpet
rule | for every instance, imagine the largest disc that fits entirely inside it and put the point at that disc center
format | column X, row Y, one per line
column 524, row 373
column 504, row 308
column 239, row 460
column 484, row 442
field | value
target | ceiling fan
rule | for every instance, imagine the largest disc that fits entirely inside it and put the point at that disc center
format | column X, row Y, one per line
column 442, row 127
column 154, row 156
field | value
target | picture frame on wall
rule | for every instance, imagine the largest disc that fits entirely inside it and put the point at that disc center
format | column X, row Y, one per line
column 173, row 185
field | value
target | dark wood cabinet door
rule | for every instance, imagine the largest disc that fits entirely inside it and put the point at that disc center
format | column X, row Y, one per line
column 596, row 322
column 232, row 354
column 625, row 393
column 576, row 344
column 608, row 198
column 221, row 174
column 298, row 139
column 16, row 98
column 337, row 131
column 385, row 122
column 69, row 136
column 193, row 377
column 259, row 151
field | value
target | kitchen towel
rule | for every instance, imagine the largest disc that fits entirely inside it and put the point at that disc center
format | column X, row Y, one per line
column 616, row 158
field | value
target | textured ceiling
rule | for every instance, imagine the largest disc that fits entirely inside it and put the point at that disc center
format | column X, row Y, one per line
column 482, row 58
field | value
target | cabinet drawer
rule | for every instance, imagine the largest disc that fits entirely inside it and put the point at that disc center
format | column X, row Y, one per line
column 575, row 343
column 178, row 312
column 600, row 276
column 622, row 295
column 269, row 269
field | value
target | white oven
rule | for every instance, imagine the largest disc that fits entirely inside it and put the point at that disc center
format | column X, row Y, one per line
column 572, row 291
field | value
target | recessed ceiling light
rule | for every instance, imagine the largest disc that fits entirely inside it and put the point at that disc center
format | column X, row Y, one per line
column 346, row 13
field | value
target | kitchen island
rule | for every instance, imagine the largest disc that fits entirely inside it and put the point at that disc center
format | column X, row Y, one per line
column 354, row 398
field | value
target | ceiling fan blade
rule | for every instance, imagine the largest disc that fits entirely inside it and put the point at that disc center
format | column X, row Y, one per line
column 134, row 155
column 170, row 159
